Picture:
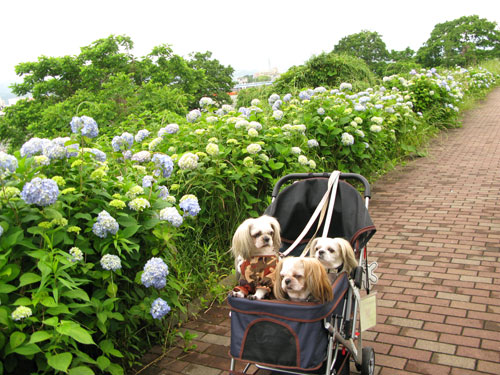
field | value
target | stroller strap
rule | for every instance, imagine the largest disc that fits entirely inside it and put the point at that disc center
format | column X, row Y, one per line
column 321, row 208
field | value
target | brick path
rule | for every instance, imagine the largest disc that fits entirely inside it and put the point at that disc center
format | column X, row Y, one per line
column 437, row 244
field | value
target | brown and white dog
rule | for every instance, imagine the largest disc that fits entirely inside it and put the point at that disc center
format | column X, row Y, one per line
column 334, row 253
column 255, row 248
column 302, row 279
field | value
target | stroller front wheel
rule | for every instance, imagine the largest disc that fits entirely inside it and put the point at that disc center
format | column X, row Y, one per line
column 367, row 361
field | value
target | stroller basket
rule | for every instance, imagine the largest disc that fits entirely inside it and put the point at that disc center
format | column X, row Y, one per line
column 287, row 335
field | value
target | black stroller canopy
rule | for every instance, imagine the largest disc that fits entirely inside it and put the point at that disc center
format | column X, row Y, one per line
column 295, row 204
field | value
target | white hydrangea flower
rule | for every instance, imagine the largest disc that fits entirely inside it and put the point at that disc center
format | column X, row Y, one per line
column 347, row 139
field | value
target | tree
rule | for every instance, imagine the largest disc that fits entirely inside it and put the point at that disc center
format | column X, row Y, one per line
column 113, row 84
column 464, row 41
column 218, row 81
column 367, row 45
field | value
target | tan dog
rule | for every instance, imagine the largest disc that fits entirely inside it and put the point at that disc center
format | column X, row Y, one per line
column 302, row 279
column 334, row 254
column 255, row 247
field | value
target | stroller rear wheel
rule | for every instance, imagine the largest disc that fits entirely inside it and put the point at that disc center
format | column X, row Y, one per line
column 368, row 361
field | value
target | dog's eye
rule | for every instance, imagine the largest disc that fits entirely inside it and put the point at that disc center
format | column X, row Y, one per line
column 297, row 276
column 331, row 250
column 255, row 235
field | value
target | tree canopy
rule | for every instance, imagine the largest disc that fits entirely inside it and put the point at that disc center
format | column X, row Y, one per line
column 367, row 45
column 114, row 85
column 464, row 41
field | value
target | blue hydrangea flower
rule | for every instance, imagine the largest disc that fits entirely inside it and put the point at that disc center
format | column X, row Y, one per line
column 312, row 143
column 162, row 192
column 42, row 192
column 105, row 224
column 141, row 156
column 189, row 204
column 8, row 164
column 122, row 142
column 72, row 150
column 244, row 111
column 141, row 135
column 172, row 128
column 194, row 115
column 155, row 273
column 147, row 181
column 171, row 215
column 159, row 308
column 272, row 99
column 99, row 155
column 111, row 262
column 304, row 95
column 277, row 104
column 84, row 125
column 33, row 147
column 287, row 97
column 164, row 164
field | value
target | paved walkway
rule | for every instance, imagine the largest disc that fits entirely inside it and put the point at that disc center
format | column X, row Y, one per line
column 438, row 248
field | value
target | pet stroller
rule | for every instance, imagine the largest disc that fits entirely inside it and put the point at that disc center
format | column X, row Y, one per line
column 307, row 337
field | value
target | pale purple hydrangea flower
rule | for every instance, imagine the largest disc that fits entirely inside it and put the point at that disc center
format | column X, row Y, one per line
column 194, row 115
column 155, row 273
column 99, row 155
column 147, row 181
column 189, row 204
column 84, row 125
column 312, row 143
column 105, row 224
column 159, row 308
column 141, row 135
column 141, row 157
column 33, row 147
column 8, row 164
column 164, row 165
column 42, row 192
column 162, row 192
column 171, row 215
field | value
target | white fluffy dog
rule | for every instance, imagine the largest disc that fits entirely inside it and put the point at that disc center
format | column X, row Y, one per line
column 302, row 279
column 255, row 247
column 336, row 254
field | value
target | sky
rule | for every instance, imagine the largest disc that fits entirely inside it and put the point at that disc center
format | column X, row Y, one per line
column 250, row 35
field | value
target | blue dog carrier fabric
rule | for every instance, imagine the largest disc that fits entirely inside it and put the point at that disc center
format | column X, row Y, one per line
column 283, row 334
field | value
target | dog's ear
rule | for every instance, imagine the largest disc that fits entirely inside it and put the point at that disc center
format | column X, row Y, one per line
column 279, row 293
column 317, row 280
column 312, row 246
column 348, row 256
column 277, row 233
column 242, row 240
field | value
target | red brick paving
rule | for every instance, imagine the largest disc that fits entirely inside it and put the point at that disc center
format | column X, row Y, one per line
column 437, row 245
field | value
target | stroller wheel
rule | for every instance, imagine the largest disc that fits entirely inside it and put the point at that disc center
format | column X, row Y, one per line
column 367, row 361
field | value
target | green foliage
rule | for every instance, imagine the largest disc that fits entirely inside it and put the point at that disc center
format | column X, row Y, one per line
column 245, row 96
column 367, row 45
column 59, row 313
column 327, row 70
column 464, row 41
column 107, row 77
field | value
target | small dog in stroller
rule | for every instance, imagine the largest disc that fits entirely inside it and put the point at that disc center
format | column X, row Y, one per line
column 335, row 254
column 255, row 247
column 301, row 279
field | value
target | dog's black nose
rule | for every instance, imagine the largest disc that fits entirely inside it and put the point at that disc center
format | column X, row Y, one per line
column 266, row 238
column 321, row 252
column 288, row 281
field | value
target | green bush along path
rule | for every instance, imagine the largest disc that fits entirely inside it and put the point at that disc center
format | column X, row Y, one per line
column 437, row 245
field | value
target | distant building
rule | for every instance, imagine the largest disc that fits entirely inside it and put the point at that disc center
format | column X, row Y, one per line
column 272, row 74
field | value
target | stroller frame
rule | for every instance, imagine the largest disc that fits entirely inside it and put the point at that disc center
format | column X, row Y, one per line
column 341, row 330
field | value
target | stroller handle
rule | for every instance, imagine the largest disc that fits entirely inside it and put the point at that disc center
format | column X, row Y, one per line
column 304, row 176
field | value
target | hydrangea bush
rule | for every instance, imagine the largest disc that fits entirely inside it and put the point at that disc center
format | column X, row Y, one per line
column 104, row 238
